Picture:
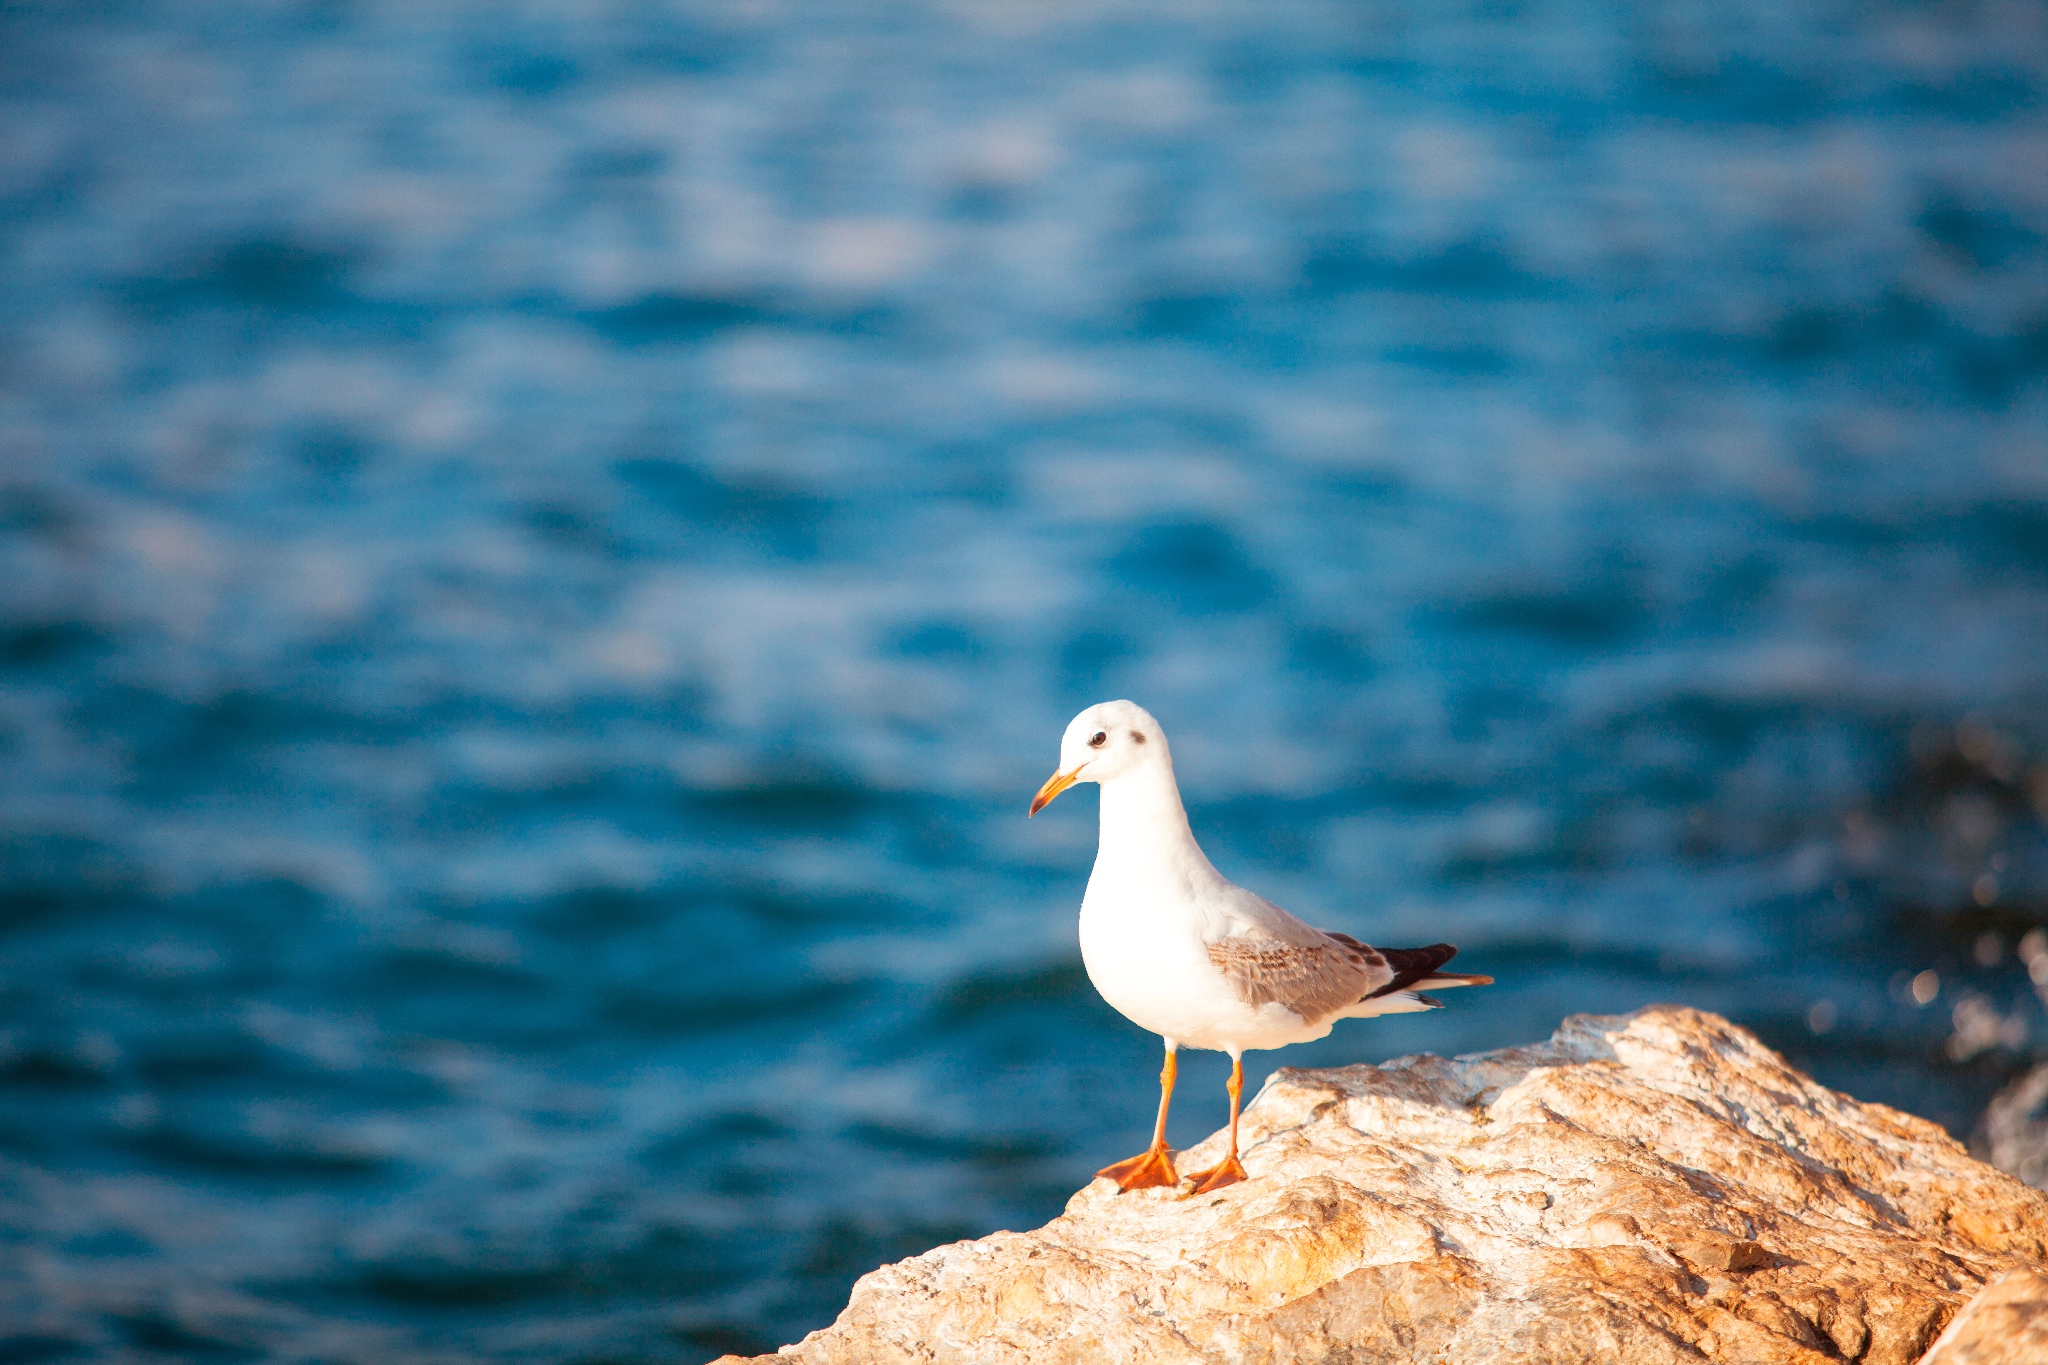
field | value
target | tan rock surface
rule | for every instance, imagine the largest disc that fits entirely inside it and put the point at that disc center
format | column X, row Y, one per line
column 2007, row 1324
column 1646, row 1188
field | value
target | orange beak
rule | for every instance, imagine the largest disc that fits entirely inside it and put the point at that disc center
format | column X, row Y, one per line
column 1054, row 785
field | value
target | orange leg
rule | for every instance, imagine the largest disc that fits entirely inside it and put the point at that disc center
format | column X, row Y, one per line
column 1154, row 1165
column 1230, row 1170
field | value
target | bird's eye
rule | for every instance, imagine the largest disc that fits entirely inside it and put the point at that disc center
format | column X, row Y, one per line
column 1101, row 738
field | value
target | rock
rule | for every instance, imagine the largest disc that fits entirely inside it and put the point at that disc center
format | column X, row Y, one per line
column 2007, row 1324
column 1653, row 1187
column 2013, row 1134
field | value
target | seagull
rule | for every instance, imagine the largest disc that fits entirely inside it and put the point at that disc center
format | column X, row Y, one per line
column 1181, row 951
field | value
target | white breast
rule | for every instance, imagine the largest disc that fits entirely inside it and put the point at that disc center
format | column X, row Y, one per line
column 1147, row 955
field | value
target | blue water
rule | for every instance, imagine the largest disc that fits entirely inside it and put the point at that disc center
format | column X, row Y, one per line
column 544, row 549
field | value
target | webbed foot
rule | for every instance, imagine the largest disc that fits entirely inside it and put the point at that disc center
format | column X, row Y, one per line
column 1148, row 1169
column 1228, row 1172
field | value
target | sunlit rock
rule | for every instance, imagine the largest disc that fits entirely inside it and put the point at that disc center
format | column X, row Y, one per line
column 1647, row 1188
column 2007, row 1324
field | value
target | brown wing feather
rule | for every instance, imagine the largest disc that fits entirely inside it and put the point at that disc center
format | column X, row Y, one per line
column 1314, row 980
column 1366, row 950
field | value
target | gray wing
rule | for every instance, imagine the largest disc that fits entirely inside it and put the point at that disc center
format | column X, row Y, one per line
column 1314, row 980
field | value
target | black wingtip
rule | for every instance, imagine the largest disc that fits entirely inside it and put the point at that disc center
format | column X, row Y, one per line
column 1412, row 965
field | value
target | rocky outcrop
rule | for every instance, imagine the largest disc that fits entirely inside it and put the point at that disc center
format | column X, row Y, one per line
column 1653, row 1187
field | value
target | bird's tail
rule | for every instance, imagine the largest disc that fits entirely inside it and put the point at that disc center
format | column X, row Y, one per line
column 1400, row 1002
column 1403, row 995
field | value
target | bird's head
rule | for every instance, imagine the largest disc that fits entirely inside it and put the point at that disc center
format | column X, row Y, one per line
column 1103, row 743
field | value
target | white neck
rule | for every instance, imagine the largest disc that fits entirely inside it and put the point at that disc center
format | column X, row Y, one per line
column 1144, row 823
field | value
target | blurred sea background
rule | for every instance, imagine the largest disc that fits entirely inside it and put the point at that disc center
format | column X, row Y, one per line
column 544, row 548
